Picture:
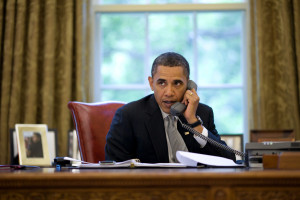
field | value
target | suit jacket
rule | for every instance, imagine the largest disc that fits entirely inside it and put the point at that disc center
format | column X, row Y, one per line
column 137, row 131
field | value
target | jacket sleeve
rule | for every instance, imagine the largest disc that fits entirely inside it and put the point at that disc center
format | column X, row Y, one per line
column 213, row 134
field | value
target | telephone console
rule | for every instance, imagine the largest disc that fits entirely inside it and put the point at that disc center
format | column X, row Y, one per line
column 256, row 150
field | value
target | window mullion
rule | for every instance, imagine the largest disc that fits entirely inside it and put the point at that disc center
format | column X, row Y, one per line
column 195, row 46
column 147, row 54
column 169, row 7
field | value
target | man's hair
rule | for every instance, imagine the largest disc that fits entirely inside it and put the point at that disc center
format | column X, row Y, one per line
column 171, row 59
column 38, row 135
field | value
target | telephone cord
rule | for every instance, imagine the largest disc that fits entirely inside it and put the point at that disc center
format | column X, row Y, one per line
column 211, row 141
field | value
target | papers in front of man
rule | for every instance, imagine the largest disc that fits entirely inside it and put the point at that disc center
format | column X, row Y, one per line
column 196, row 160
column 132, row 163
column 186, row 159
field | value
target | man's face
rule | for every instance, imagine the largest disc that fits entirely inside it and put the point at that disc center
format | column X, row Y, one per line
column 169, row 85
column 35, row 138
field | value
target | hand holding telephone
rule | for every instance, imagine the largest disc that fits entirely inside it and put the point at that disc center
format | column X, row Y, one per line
column 178, row 108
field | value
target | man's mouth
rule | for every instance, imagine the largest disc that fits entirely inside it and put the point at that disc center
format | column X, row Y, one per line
column 169, row 103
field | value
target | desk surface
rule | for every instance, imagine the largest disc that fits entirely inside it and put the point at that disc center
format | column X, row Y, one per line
column 187, row 183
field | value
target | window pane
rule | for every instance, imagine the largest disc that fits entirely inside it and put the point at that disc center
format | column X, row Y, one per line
column 171, row 32
column 220, row 47
column 228, row 108
column 122, row 95
column 122, row 48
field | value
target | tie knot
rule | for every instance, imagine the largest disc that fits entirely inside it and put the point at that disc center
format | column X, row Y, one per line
column 171, row 121
column 171, row 118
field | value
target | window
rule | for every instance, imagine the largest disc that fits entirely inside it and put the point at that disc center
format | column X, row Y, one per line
column 127, row 38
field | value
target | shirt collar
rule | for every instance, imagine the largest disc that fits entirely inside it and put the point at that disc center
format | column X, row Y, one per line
column 164, row 115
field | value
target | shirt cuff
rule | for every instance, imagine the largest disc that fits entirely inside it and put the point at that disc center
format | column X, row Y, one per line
column 200, row 140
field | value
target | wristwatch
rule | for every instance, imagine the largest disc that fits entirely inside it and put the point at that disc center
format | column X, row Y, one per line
column 197, row 123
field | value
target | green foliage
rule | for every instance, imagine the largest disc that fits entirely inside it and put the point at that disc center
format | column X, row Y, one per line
column 122, row 95
column 220, row 47
column 228, row 108
column 122, row 48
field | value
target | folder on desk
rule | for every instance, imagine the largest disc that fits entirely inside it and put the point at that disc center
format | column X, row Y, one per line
column 186, row 159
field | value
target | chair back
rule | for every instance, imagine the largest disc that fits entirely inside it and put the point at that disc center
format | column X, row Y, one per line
column 92, row 122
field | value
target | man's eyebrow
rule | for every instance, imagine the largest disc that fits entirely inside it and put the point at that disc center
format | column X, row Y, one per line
column 178, row 80
column 160, row 80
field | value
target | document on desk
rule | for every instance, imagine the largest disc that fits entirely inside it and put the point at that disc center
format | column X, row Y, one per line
column 186, row 159
column 132, row 163
column 197, row 159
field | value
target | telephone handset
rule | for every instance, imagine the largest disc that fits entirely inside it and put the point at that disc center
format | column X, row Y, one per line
column 178, row 108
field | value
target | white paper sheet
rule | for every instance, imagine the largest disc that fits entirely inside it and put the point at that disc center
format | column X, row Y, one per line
column 193, row 159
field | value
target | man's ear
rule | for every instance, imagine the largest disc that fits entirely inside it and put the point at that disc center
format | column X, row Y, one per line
column 150, row 80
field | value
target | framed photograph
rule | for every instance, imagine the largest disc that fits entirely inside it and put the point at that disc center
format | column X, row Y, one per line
column 73, row 148
column 33, row 144
column 52, row 145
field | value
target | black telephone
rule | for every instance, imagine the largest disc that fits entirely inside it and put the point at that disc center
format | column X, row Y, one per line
column 178, row 108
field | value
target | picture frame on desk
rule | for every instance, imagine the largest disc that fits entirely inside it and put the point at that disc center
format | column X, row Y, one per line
column 234, row 141
column 51, row 141
column 73, row 148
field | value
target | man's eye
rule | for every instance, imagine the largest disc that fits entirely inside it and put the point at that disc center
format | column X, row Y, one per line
column 162, row 83
column 178, row 83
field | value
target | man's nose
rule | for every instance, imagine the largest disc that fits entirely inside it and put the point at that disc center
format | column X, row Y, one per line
column 169, row 90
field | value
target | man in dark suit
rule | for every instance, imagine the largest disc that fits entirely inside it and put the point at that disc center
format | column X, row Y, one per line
column 140, row 129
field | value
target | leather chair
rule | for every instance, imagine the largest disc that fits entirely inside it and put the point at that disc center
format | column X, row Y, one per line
column 92, row 122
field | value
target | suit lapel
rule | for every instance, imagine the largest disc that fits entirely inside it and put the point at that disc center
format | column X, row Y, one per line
column 155, row 127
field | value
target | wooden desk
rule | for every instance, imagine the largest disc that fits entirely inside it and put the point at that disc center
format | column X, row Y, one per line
column 150, row 184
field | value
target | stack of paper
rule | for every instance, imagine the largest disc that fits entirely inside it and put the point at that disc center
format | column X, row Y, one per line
column 186, row 159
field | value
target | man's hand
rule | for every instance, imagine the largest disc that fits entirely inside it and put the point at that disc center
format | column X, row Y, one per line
column 191, row 100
